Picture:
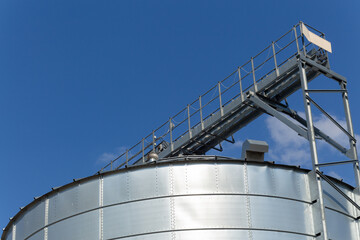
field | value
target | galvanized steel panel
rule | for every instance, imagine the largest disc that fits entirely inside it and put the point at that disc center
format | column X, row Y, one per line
column 142, row 183
column 84, row 226
column 210, row 212
column 146, row 182
column 116, row 188
column 194, row 200
column 194, row 178
column 37, row 236
column 280, row 214
column 31, row 221
column 76, row 199
column 340, row 226
column 230, row 178
column 277, row 182
column 136, row 217
column 335, row 200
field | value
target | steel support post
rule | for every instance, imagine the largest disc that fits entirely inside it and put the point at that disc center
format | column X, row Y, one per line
column 351, row 131
column 313, row 150
column 296, row 39
column 153, row 141
column 241, row 89
column 189, row 123
column 220, row 100
column 171, row 135
column 253, row 73
column 127, row 157
column 201, row 114
column 143, row 150
column 275, row 62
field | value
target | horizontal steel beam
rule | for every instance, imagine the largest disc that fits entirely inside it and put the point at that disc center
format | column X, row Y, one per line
column 324, row 70
column 326, row 90
column 335, row 163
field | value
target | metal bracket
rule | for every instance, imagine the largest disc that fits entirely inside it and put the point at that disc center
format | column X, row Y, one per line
column 324, row 70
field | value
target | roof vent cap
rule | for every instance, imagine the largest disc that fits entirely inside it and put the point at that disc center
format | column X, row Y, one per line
column 254, row 150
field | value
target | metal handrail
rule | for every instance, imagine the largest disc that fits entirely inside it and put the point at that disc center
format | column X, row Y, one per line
column 184, row 129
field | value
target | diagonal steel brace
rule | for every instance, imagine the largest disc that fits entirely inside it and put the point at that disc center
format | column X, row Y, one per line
column 261, row 104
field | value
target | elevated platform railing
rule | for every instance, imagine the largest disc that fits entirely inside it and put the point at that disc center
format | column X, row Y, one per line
column 193, row 123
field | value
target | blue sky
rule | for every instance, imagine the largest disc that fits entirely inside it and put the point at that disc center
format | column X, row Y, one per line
column 81, row 80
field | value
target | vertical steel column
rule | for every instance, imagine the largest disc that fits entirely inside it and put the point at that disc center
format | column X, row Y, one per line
column 143, row 150
column 274, row 53
column 253, row 73
column 189, row 123
column 201, row 114
column 241, row 89
column 297, row 41
column 171, row 136
column 351, row 131
column 220, row 101
column 311, row 139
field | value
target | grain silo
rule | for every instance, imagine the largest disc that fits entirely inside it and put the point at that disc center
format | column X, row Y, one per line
column 164, row 187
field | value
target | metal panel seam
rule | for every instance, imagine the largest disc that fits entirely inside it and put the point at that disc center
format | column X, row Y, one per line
column 101, row 210
column 248, row 210
column 46, row 218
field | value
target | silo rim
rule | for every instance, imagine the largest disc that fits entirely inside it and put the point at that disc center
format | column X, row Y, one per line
column 173, row 160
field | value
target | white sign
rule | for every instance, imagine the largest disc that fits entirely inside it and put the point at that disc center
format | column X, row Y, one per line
column 315, row 39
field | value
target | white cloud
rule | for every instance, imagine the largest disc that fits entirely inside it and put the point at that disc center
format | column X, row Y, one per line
column 289, row 147
column 292, row 149
column 106, row 157
column 328, row 127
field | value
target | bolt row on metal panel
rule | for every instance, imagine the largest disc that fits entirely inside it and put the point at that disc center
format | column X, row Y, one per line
column 227, row 199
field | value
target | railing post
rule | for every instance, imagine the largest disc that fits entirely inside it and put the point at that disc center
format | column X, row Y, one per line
column 153, row 140
column 220, row 101
column 189, row 123
column 296, row 39
column 111, row 165
column 253, row 71
column 127, row 157
column 171, row 136
column 201, row 114
column 302, row 38
column 241, row 90
column 143, row 150
column 274, row 53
